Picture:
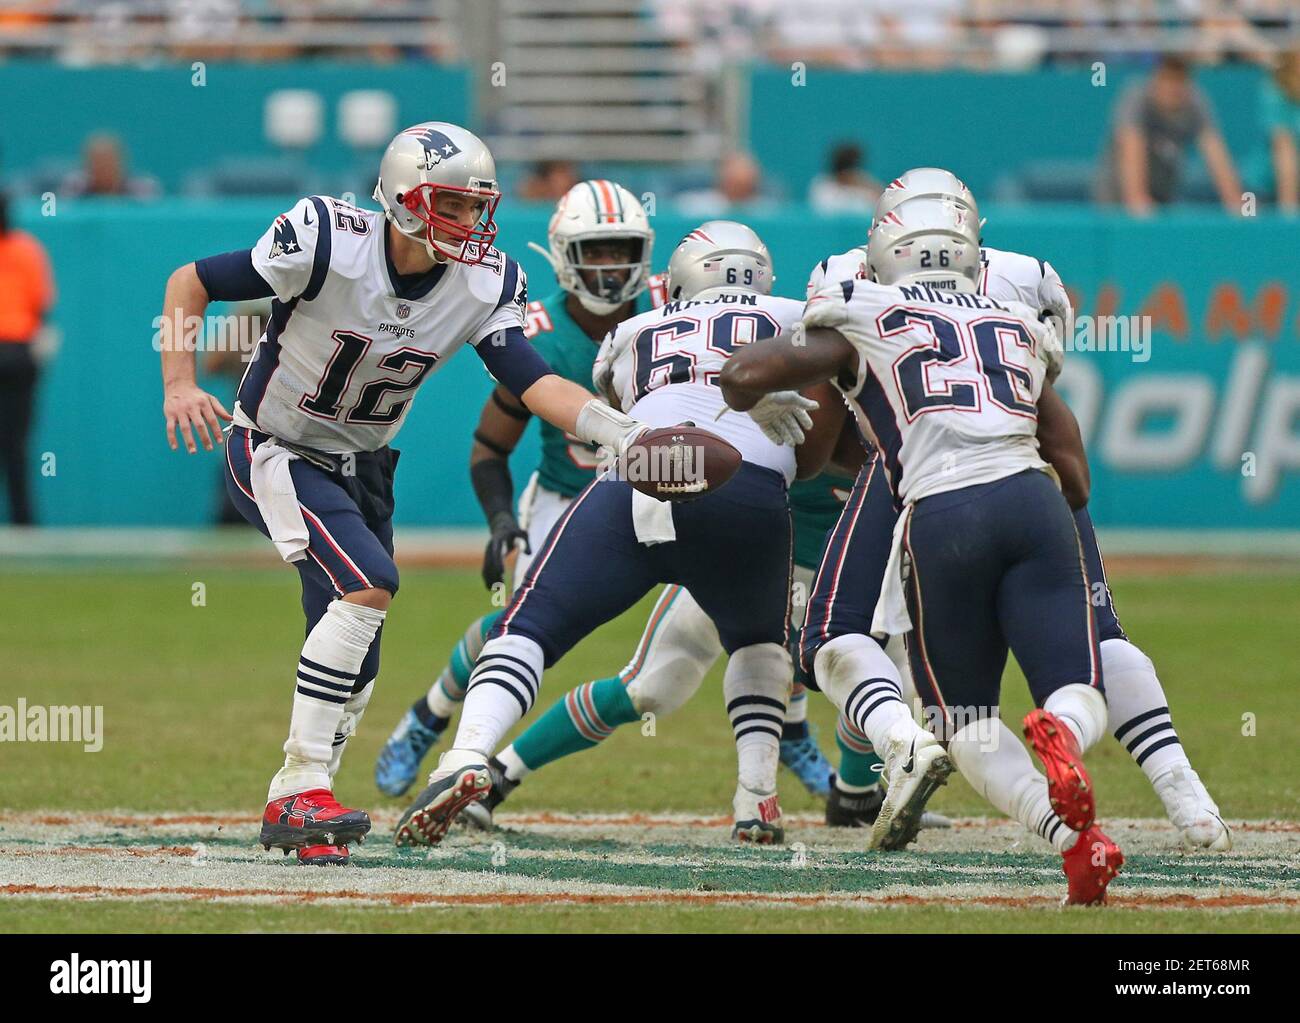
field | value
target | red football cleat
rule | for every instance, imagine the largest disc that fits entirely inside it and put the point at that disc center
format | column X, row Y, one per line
column 323, row 856
column 1068, row 786
column 311, row 818
column 1090, row 864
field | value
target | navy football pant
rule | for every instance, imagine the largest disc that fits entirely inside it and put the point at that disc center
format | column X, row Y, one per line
column 732, row 553
column 348, row 550
column 847, row 585
column 991, row 566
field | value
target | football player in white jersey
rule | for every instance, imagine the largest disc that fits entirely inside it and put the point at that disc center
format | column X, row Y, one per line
column 600, row 244
column 729, row 548
column 846, row 589
column 985, row 554
column 366, row 306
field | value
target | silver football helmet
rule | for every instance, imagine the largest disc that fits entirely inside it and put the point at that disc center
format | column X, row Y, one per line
column 930, row 241
column 719, row 254
column 925, row 183
column 593, row 215
column 437, row 157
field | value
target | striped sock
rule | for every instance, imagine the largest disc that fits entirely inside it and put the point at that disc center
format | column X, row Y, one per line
column 860, row 768
column 448, row 690
column 327, row 672
column 583, row 718
column 756, row 686
column 1139, row 711
column 502, row 689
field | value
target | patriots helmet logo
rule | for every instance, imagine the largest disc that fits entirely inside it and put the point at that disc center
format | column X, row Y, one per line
column 285, row 240
column 437, row 146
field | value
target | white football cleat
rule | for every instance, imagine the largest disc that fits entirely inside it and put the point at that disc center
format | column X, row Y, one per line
column 758, row 817
column 916, row 765
column 1191, row 810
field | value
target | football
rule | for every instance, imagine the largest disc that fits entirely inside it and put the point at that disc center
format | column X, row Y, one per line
column 679, row 463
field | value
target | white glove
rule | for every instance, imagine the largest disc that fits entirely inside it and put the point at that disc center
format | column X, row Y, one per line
column 783, row 416
column 607, row 427
column 1050, row 348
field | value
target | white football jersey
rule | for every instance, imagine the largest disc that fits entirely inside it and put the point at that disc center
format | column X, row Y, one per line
column 947, row 383
column 662, row 366
column 349, row 341
column 1005, row 276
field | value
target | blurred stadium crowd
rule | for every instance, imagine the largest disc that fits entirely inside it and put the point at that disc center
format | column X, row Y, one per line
column 853, row 33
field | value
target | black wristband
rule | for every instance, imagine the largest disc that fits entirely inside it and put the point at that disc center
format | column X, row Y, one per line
column 493, row 487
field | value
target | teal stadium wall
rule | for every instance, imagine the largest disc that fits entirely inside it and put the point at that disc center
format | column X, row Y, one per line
column 1167, row 436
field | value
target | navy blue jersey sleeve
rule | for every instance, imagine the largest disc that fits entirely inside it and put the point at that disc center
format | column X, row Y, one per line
column 512, row 360
column 231, row 277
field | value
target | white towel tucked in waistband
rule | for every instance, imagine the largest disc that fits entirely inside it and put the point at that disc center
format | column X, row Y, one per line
column 891, row 617
column 277, row 500
column 653, row 520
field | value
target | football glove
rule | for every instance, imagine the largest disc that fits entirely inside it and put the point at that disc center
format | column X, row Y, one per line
column 506, row 533
column 783, row 416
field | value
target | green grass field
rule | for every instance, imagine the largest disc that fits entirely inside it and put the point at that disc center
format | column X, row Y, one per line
column 196, row 702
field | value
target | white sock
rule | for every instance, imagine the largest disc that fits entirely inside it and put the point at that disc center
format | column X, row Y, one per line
column 1082, row 709
column 1139, row 712
column 327, row 670
column 860, row 679
column 756, row 686
column 990, row 756
column 440, row 703
column 896, row 648
column 516, row 769
column 502, row 689
column 352, row 714
column 797, row 712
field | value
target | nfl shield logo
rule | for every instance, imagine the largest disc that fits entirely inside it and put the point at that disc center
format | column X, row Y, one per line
column 403, row 310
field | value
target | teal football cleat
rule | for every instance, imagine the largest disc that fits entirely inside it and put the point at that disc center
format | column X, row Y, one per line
column 399, row 761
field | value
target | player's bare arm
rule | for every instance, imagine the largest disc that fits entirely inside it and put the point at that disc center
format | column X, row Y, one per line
column 186, row 406
column 794, row 360
column 821, row 439
column 1060, row 442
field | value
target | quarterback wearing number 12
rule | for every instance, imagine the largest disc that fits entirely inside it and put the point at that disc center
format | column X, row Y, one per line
column 366, row 306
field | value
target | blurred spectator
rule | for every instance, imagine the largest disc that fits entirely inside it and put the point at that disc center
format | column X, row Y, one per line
column 26, row 295
column 104, row 172
column 1282, row 122
column 1155, row 122
column 846, row 187
column 739, row 183
column 549, row 181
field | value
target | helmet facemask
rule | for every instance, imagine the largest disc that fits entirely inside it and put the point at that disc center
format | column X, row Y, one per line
column 465, row 244
column 600, row 283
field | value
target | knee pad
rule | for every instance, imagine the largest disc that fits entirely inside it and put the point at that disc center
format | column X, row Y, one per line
column 671, row 662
